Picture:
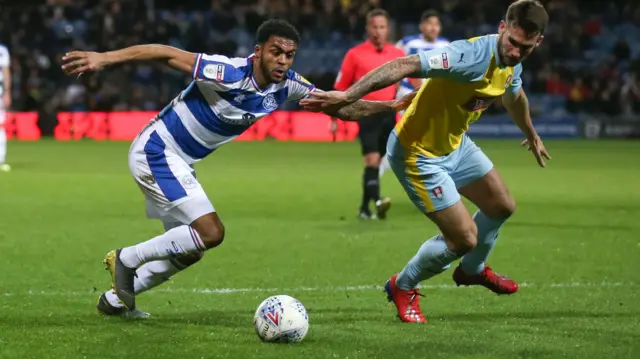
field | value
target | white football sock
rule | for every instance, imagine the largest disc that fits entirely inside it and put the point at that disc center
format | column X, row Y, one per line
column 148, row 276
column 3, row 145
column 384, row 165
column 153, row 274
column 113, row 299
column 175, row 242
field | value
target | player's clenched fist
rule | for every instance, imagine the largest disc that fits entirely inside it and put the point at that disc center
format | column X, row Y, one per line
column 77, row 62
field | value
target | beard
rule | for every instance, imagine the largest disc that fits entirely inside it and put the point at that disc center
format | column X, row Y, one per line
column 504, row 58
column 268, row 72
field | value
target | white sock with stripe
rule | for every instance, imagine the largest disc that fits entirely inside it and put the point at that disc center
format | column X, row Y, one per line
column 175, row 242
column 152, row 274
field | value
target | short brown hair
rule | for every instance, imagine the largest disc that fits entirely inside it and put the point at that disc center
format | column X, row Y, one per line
column 377, row 12
column 530, row 15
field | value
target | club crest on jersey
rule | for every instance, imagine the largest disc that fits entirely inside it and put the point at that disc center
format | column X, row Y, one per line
column 438, row 193
column 214, row 72
column 508, row 82
column 188, row 181
column 269, row 103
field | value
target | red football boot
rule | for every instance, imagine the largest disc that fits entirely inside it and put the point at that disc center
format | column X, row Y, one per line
column 407, row 302
column 496, row 283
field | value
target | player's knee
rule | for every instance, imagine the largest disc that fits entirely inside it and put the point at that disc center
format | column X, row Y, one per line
column 465, row 239
column 505, row 209
column 372, row 159
column 212, row 235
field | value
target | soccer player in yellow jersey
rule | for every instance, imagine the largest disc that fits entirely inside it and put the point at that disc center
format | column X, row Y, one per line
column 435, row 161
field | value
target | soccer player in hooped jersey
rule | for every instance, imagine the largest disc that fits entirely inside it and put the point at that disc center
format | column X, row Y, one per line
column 435, row 161
column 226, row 96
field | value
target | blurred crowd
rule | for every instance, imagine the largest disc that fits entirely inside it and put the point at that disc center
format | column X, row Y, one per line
column 589, row 61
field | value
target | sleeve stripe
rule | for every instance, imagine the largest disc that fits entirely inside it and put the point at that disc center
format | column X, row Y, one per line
column 196, row 67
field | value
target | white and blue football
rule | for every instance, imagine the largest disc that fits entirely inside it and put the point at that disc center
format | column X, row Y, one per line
column 282, row 319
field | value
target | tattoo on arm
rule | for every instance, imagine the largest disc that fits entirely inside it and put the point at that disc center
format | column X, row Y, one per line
column 361, row 108
column 386, row 75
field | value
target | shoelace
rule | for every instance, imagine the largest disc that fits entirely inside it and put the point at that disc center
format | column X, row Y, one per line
column 413, row 309
column 414, row 293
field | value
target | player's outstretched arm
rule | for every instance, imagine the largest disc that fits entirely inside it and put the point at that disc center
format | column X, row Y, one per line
column 77, row 62
column 386, row 75
column 517, row 105
column 362, row 108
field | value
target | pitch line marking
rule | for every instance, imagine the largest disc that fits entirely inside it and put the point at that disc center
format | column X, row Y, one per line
column 335, row 289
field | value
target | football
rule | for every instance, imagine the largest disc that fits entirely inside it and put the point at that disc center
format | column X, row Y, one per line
column 282, row 319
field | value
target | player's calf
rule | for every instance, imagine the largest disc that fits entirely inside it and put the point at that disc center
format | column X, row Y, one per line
column 434, row 256
column 152, row 274
column 495, row 205
column 206, row 232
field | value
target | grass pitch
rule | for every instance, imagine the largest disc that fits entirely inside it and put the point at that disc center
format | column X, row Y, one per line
column 290, row 213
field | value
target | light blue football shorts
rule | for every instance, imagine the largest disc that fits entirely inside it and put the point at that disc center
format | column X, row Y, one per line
column 432, row 183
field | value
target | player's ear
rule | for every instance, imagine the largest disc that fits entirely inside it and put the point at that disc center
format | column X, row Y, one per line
column 502, row 27
column 539, row 40
column 256, row 50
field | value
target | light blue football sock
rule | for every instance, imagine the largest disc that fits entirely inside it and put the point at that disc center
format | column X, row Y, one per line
column 473, row 262
column 432, row 258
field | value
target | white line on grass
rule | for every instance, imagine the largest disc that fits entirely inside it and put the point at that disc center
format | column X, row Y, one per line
column 335, row 289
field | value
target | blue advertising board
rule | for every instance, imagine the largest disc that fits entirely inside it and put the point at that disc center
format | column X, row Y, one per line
column 501, row 126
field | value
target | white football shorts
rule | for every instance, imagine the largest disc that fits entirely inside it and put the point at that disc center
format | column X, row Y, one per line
column 172, row 192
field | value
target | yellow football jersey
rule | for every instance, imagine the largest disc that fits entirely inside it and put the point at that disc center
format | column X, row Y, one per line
column 463, row 79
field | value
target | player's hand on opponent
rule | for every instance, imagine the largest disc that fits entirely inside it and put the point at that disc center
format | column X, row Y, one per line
column 319, row 101
column 536, row 146
column 402, row 103
column 78, row 62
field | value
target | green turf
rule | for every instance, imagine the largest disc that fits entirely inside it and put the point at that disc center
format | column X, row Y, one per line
column 289, row 210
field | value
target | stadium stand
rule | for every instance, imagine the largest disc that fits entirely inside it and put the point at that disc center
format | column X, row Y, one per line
column 590, row 62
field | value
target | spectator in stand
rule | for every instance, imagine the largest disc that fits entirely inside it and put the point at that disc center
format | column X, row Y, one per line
column 581, row 35
column 578, row 92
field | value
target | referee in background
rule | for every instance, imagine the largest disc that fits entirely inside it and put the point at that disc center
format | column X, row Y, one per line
column 374, row 130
